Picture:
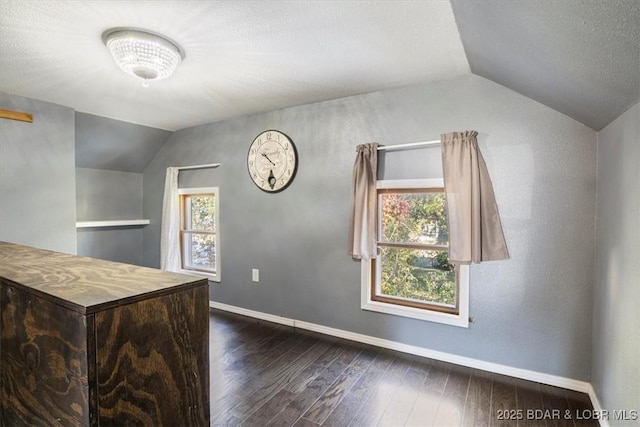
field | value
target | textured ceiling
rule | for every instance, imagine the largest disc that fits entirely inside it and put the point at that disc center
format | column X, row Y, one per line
column 242, row 57
column 580, row 57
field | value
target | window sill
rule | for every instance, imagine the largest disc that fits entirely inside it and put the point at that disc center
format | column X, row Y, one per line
column 416, row 313
column 460, row 320
column 211, row 277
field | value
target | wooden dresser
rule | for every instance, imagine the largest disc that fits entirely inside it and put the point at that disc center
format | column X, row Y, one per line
column 86, row 342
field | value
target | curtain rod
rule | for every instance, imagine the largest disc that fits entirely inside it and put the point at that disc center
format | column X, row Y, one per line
column 210, row 165
column 411, row 144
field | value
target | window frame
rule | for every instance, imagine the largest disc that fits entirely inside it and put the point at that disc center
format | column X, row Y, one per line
column 183, row 193
column 370, row 269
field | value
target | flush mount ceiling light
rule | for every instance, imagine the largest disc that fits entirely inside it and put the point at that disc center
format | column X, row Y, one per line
column 142, row 53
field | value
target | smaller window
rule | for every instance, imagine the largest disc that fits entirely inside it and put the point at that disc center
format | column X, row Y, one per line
column 199, row 231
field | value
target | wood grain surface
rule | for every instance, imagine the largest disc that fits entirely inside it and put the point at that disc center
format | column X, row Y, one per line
column 44, row 362
column 315, row 380
column 153, row 362
column 85, row 284
column 85, row 342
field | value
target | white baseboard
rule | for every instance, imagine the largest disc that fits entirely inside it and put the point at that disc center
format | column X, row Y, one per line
column 597, row 408
column 554, row 380
column 251, row 313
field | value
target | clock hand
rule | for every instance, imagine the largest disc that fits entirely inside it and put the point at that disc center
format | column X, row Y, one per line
column 267, row 157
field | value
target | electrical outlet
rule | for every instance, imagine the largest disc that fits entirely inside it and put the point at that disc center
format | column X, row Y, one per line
column 255, row 275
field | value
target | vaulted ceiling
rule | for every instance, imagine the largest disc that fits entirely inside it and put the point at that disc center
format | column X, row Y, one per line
column 580, row 57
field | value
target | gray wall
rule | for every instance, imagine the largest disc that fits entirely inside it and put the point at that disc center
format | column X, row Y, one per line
column 103, row 143
column 37, row 176
column 532, row 311
column 109, row 195
column 616, row 335
column 111, row 156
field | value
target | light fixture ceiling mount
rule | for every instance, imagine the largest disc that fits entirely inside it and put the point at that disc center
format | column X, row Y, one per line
column 143, row 53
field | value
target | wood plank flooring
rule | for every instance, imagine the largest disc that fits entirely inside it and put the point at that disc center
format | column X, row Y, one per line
column 264, row 374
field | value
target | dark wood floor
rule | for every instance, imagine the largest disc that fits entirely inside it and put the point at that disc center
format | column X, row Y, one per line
column 268, row 374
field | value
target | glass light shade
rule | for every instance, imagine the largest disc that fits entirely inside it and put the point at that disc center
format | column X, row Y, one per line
column 143, row 54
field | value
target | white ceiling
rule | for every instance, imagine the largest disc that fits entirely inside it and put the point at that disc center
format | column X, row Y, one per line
column 580, row 57
column 242, row 57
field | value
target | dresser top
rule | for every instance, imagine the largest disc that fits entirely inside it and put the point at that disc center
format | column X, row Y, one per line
column 85, row 284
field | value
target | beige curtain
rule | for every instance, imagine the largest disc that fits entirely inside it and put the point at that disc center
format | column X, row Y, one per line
column 362, row 224
column 475, row 231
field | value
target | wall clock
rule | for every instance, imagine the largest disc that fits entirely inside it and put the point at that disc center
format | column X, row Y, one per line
column 272, row 161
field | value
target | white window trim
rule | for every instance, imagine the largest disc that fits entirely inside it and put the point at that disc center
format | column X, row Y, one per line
column 461, row 319
column 217, row 277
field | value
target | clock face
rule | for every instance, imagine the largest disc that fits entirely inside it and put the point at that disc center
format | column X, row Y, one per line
column 272, row 161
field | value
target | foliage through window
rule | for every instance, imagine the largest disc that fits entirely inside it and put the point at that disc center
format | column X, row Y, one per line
column 412, row 271
column 199, row 230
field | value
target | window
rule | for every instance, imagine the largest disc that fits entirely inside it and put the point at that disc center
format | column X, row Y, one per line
column 199, row 231
column 412, row 276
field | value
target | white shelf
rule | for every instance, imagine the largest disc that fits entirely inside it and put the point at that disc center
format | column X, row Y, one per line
column 115, row 223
